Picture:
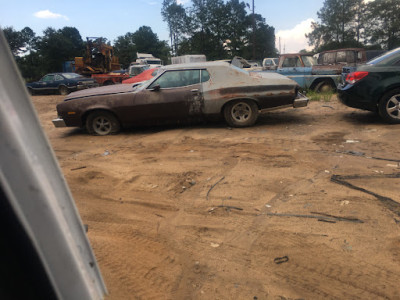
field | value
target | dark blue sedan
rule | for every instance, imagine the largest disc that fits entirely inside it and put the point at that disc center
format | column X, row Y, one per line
column 375, row 86
column 60, row 83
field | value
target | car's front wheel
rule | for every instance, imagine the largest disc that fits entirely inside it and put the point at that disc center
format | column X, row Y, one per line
column 102, row 123
column 63, row 90
column 30, row 91
column 241, row 113
column 389, row 107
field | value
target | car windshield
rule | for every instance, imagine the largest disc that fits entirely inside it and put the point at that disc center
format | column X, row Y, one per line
column 388, row 58
column 71, row 75
column 308, row 61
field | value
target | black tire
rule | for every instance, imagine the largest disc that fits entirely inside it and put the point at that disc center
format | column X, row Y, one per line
column 108, row 82
column 31, row 91
column 63, row 90
column 324, row 87
column 241, row 113
column 102, row 123
column 389, row 107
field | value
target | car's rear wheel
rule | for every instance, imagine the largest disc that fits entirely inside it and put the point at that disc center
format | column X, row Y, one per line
column 389, row 107
column 102, row 123
column 324, row 87
column 241, row 113
column 63, row 90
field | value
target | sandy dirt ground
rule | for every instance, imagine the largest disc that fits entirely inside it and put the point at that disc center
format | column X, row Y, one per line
column 304, row 205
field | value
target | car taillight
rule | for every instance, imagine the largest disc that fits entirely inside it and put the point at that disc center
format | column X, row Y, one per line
column 353, row 77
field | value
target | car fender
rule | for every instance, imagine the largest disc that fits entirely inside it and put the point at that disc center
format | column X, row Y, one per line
column 93, row 108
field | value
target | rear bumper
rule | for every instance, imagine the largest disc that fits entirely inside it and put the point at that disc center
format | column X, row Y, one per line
column 300, row 101
column 350, row 96
column 59, row 122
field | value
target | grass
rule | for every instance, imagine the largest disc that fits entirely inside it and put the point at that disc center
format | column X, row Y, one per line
column 323, row 96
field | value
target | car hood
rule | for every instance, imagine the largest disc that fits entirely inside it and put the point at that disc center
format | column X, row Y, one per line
column 104, row 90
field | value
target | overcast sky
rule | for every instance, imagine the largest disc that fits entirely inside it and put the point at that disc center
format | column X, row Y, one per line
column 110, row 19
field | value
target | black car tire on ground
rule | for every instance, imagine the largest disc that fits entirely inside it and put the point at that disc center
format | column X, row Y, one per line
column 31, row 91
column 102, row 123
column 389, row 107
column 324, row 87
column 241, row 113
column 63, row 90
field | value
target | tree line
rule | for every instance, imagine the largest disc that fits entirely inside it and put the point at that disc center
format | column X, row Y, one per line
column 39, row 55
column 219, row 29
column 356, row 23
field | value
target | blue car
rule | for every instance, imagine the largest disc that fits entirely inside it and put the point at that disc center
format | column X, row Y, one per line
column 60, row 83
column 375, row 86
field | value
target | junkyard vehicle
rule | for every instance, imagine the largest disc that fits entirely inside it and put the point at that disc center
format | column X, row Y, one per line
column 61, row 83
column 345, row 60
column 143, row 76
column 148, row 59
column 303, row 69
column 181, row 93
column 361, row 56
column 242, row 63
column 270, row 63
column 136, row 69
column 190, row 58
column 375, row 86
column 99, row 62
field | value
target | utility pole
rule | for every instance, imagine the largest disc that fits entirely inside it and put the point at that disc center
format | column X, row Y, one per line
column 254, row 34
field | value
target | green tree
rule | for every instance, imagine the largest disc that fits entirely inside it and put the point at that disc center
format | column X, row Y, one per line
column 58, row 46
column 125, row 49
column 264, row 39
column 20, row 41
column 236, row 27
column 340, row 24
column 143, row 40
column 219, row 29
column 175, row 16
column 384, row 23
column 147, row 41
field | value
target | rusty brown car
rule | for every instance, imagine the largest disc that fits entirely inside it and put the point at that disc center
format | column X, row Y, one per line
column 180, row 93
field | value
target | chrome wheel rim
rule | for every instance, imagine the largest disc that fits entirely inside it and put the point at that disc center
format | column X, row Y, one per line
column 241, row 112
column 102, row 125
column 393, row 107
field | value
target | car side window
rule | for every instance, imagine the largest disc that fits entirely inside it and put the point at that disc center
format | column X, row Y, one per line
column 47, row 78
column 341, row 56
column 289, row 62
column 179, row 78
column 58, row 78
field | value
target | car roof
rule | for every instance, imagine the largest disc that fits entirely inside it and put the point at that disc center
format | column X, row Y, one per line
column 196, row 65
column 62, row 73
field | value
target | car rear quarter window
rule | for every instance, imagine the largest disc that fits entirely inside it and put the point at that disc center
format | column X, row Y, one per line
column 205, row 76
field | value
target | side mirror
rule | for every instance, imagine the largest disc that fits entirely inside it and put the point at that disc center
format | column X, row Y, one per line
column 156, row 88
